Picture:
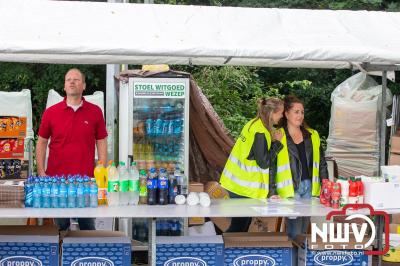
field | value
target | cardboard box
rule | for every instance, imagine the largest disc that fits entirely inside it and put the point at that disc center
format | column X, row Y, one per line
column 395, row 219
column 382, row 195
column 96, row 248
column 13, row 169
column 394, row 159
column 196, row 187
column 394, row 228
column 12, row 127
column 215, row 191
column 12, row 148
column 29, row 245
column 314, row 257
column 395, row 143
column 258, row 249
column 187, row 250
column 263, row 224
column 104, row 224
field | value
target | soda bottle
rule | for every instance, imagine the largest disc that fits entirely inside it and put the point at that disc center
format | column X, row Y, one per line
column 37, row 194
column 143, row 187
column 46, row 193
column 71, row 200
column 353, row 191
column 80, row 194
column 336, row 192
column 163, row 187
column 181, row 186
column 133, row 184
column 99, row 175
column 172, row 189
column 113, row 186
column 152, row 187
column 123, row 184
column 93, row 191
column 86, row 191
column 360, row 188
column 106, row 180
column 55, row 193
column 344, row 185
column 62, row 203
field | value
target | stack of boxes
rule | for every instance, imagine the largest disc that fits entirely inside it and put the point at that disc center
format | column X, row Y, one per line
column 12, row 137
column 39, row 246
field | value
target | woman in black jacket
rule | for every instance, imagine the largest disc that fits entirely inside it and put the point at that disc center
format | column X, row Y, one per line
column 304, row 154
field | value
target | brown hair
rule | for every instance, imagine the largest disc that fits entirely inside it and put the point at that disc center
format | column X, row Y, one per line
column 265, row 108
column 289, row 101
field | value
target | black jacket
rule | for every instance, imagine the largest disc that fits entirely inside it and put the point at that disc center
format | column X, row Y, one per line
column 266, row 158
column 295, row 164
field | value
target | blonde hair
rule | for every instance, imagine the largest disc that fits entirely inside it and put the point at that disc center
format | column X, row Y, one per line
column 265, row 108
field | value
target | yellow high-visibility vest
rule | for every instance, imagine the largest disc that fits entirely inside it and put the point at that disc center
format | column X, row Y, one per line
column 242, row 176
column 284, row 180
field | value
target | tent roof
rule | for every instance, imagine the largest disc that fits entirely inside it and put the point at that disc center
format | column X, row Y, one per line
column 117, row 33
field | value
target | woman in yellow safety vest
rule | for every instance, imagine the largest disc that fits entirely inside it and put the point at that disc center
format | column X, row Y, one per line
column 246, row 172
column 301, row 163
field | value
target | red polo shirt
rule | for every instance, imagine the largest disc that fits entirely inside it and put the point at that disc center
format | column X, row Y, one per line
column 73, row 136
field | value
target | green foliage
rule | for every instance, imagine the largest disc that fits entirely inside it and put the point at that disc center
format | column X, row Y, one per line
column 233, row 92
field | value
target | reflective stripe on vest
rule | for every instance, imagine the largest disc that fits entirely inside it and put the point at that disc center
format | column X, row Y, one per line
column 242, row 176
column 284, row 180
column 247, row 168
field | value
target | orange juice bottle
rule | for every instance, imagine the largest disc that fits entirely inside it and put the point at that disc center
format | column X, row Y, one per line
column 99, row 172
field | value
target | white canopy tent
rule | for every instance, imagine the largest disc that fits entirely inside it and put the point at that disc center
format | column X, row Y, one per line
column 118, row 33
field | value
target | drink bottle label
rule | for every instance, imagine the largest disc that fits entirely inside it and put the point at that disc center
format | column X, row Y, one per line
column 124, row 186
column 134, row 185
column 113, row 186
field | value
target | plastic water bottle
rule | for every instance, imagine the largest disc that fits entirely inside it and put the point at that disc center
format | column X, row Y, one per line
column 152, row 187
column 29, row 192
column 149, row 127
column 37, row 194
column 86, row 191
column 113, row 186
column 93, row 189
column 123, row 184
column 80, row 194
column 62, row 202
column 158, row 127
column 71, row 193
column 163, row 187
column 55, row 193
column 133, row 184
column 46, row 193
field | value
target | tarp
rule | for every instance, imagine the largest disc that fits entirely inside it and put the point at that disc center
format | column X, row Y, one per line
column 116, row 33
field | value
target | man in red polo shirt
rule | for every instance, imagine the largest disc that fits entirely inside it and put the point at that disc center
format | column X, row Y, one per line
column 75, row 127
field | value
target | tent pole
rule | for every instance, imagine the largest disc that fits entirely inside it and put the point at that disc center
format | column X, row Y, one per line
column 382, row 159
